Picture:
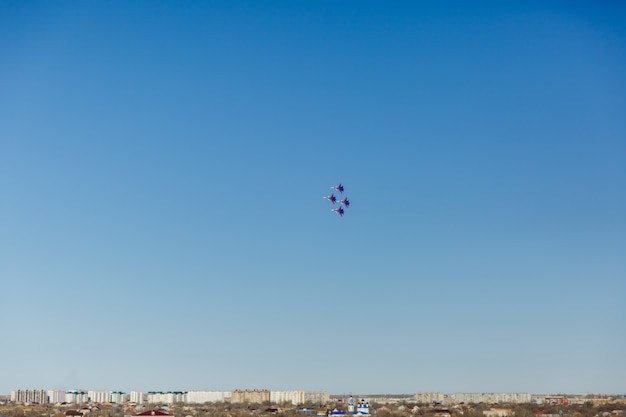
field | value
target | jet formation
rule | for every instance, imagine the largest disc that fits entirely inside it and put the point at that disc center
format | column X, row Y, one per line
column 343, row 202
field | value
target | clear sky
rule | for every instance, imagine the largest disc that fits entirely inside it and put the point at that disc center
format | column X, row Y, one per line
column 162, row 168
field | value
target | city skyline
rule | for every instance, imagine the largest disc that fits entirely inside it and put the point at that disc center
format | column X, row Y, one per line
column 163, row 167
column 294, row 396
column 199, row 396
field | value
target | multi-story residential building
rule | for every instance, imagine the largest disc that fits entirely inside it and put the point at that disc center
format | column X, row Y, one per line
column 30, row 396
column 201, row 397
column 118, row 397
column 56, row 396
column 99, row 396
column 429, row 397
column 512, row 398
column 317, row 397
column 468, row 397
column 170, row 397
column 289, row 397
column 76, row 396
column 136, row 397
column 492, row 398
column 251, row 396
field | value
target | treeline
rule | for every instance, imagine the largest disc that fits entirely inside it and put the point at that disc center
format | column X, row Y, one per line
column 405, row 409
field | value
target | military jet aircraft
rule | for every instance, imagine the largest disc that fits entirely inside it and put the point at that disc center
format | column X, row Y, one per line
column 331, row 198
column 338, row 188
column 338, row 210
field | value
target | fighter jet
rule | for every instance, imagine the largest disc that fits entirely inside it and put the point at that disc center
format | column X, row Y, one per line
column 338, row 210
column 345, row 202
column 338, row 188
column 331, row 198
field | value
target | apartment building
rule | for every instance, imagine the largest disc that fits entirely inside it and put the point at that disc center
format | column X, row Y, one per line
column 491, row 397
column 30, row 396
column 99, row 396
column 56, row 396
column 257, row 396
column 201, row 397
column 320, row 397
column 169, row 397
column 77, row 396
column 136, row 397
column 287, row 397
column 429, row 397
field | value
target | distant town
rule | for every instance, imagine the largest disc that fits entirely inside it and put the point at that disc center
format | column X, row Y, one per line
column 322, row 403
column 263, row 403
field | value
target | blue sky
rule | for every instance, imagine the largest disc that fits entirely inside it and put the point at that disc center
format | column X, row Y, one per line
column 162, row 166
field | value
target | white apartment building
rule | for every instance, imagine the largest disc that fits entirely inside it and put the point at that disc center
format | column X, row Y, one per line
column 320, row 397
column 429, row 397
column 56, row 396
column 118, row 397
column 136, row 397
column 170, row 397
column 492, row 397
column 201, row 397
column 30, row 396
column 99, row 396
column 290, row 397
column 76, row 396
